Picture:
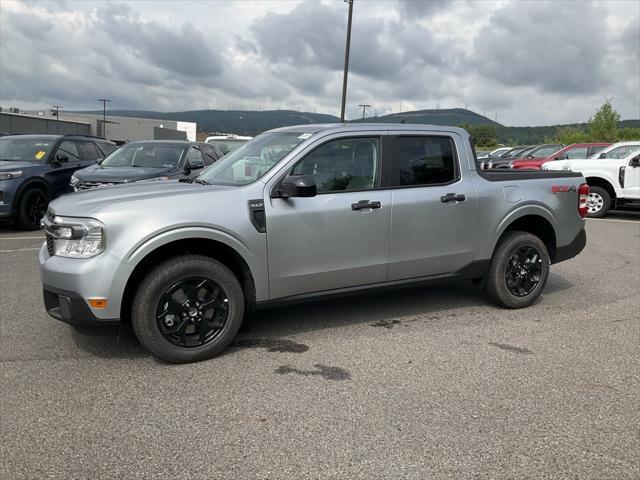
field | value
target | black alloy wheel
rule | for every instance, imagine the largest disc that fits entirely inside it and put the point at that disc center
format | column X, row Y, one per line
column 523, row 271
column 192, row 312
column 31, row 209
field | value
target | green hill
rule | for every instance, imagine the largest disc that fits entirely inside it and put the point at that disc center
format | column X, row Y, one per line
column 446, row 116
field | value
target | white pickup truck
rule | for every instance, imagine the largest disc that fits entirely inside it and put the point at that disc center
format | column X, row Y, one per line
column 613, row 176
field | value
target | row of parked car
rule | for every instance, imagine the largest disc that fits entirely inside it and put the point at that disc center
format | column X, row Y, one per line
column 612, row 170
column 37, row 168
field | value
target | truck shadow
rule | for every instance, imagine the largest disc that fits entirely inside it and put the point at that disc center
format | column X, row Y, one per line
column 272, row 329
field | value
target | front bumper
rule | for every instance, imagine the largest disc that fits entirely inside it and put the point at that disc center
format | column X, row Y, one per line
column 571, row 250
column 71, row 308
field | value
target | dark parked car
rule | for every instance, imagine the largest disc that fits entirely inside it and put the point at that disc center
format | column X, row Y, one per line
column 147, row 160
column 36, row 168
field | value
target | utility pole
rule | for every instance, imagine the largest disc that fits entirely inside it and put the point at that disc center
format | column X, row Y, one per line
column 364, row 109
column 57, row 107
column 346, row 60
column 104, row 115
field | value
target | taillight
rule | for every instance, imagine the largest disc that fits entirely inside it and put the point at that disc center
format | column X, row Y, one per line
column 583, row 197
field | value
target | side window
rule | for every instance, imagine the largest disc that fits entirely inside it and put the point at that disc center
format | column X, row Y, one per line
column 89, row 152
column 194, row 156
column 70, row 150
column 580, row 152
column 105, row 149
column 426, row 160
column 343, row 165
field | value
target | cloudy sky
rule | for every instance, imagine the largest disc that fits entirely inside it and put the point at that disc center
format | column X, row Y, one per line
column 528, row 62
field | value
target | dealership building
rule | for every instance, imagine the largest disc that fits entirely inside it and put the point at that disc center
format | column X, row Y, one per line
column 117, row 129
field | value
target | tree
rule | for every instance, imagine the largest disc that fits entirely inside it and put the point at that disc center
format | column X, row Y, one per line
column 485, row 135
column 569, row 135
column 603, row 126
column 630, row 133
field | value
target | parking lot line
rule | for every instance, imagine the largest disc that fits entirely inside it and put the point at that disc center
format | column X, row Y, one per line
column 613, row 220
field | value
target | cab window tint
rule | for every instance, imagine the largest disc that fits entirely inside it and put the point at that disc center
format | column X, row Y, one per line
column 425, row 160
column 89, row 152
column 70, row 150
column 580, row 152
column 343, row 165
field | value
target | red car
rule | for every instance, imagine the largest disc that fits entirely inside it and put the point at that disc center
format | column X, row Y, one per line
column 575, row 150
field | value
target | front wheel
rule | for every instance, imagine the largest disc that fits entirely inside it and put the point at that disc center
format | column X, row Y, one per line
column 188, row 309
column 519, row 270
column 598, row 202
column 31, row 208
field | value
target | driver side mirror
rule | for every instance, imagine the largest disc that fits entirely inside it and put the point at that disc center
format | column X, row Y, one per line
column 635, row 161
column 61, row 157
column 602, row 155
column 297, row 186
column 194, row 164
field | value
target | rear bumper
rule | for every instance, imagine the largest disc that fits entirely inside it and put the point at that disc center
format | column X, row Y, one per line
column 71, row 308
column 571, row 250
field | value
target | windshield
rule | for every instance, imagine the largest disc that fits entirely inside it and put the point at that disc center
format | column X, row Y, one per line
column 253, row 159
column 618, row 152
column 25, row 149
column 226, row 145
column 147, row 155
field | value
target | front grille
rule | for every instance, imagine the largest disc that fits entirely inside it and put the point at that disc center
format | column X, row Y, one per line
column 90, row 185
column 49, row 240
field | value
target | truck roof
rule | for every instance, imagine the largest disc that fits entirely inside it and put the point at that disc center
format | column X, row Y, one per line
column 351, row 127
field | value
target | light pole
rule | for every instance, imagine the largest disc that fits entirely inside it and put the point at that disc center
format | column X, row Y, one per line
column 104, row 115
column 57, row 107
column 364, row 109
column 346, row 60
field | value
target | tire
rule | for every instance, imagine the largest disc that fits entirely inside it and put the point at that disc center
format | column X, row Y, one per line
column 155, row 308
column 32, row 206
column 502, row 270
column 598, row 203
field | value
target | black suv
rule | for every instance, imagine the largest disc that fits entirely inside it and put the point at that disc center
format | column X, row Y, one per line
column 147, row 160
column 37, row 168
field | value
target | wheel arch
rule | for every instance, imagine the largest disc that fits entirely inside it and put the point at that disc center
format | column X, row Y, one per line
column 602, row 183
column 198, row 245
column 33, row 182
column 536, row 223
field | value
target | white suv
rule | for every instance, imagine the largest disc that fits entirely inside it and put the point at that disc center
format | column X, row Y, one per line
column 613, row 176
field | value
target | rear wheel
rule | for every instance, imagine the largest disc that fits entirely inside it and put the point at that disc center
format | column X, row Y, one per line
column 31, row 208
column 598, row 202
column 188, row 309
column 519, row 270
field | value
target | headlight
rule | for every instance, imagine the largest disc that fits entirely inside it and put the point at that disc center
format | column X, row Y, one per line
column 73, row 237
column 74, row 180
column 545, row 167
column 10, row 175
column 511, row 164
column 566, row 168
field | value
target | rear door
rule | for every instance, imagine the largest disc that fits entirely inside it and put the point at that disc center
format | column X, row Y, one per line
column 434, row 203
column 339, row 238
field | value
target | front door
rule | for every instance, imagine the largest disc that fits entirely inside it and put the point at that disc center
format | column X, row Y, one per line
column 434, row 207
column 632, row 181
column 339, row 238
column 64, row 161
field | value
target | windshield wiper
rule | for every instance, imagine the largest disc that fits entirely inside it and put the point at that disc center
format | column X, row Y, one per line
column 200, row 181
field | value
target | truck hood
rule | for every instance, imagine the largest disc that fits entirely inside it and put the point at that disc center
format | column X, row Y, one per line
column 96, row 173
column 134, row 196
column 9, row 165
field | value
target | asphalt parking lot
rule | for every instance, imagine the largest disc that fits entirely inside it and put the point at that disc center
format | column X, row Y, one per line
column 423, row 383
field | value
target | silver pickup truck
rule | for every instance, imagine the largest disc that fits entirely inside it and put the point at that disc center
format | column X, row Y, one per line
column 299, row 213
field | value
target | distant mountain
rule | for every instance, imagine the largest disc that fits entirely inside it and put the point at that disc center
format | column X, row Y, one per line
column 446, row 116
column 232, row 121
column 254, row 122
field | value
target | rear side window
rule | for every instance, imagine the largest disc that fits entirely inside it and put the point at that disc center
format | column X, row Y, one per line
column 426, row 160
column 89, row 152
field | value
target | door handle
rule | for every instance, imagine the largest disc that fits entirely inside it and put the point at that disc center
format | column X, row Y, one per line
column 453, row 197
column 362, row 204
